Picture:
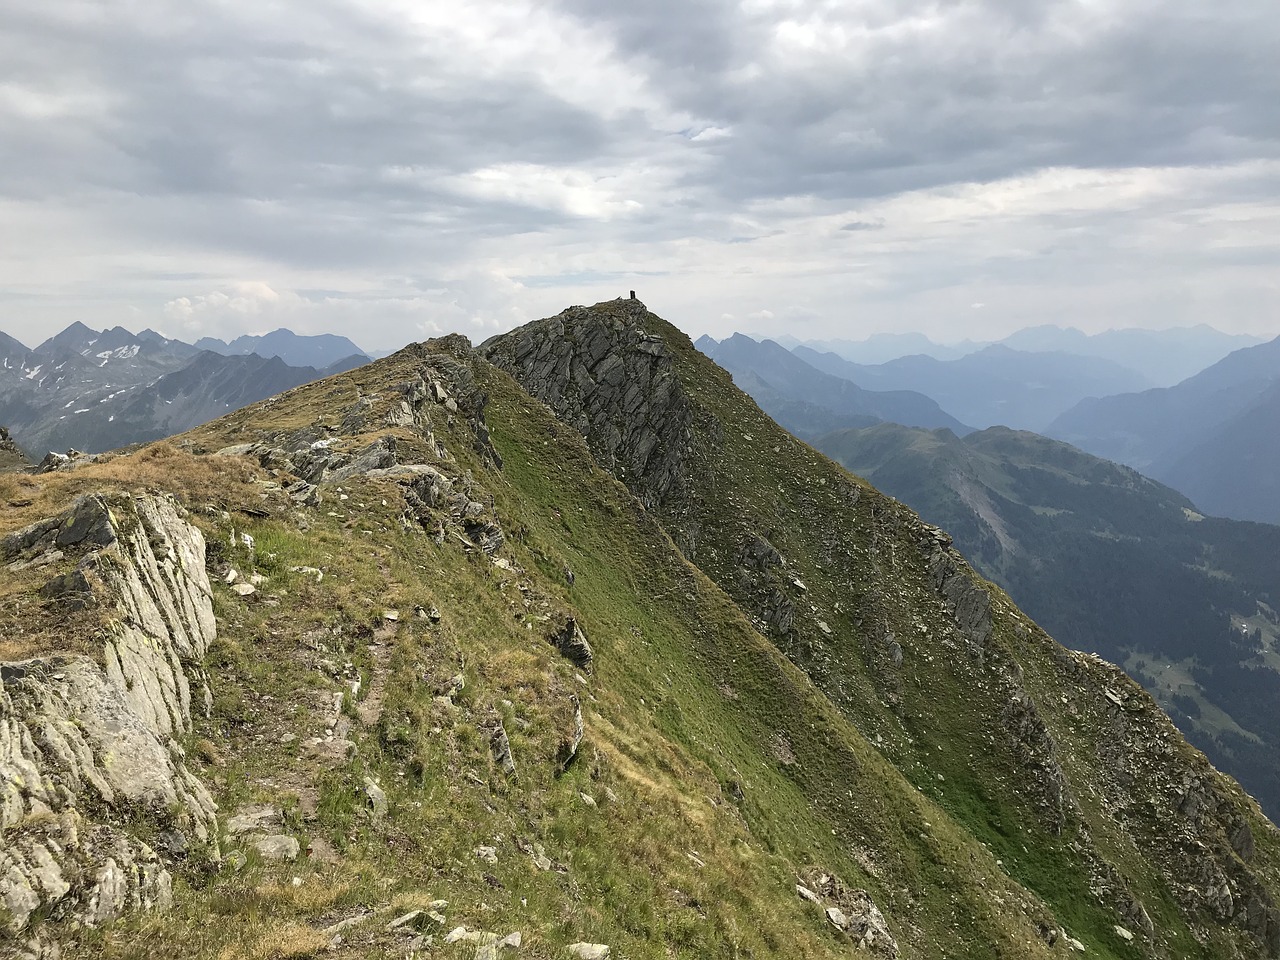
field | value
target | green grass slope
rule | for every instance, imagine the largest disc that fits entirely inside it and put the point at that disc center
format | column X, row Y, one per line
column 1055, row 761
column 1110, row 562
column 384, row 644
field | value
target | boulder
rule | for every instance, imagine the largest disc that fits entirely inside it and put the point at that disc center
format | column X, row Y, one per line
column 277, row 847
column 572, row 644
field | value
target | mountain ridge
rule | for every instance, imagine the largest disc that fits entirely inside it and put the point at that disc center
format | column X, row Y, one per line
column 96, row 390
column 787, row 384
column 1112, row 562
column 454, row 655
column 994, row 385
column 317, row 350
column 546, row 354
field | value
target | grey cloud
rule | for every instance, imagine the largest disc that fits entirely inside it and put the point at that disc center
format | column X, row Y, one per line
column 329, row 138
column 212, row 109
column 1003, row 94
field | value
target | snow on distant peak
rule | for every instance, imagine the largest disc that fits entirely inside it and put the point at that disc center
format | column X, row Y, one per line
column 120, row 353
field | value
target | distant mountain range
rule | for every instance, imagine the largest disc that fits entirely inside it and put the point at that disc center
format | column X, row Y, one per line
column 991, row 386
column 1110, row 562
column 1213, row 436
column 319, row 351
column 882, row 347
column 807, row 401
column 97, row 390
column 1161, row 357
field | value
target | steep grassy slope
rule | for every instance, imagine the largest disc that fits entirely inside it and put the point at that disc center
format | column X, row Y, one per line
column 396, row 686
column 1110, row 562
column 1054, row 760
column 392, row 634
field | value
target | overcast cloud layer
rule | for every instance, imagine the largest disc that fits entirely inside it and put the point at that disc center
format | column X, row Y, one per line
column 399, row 169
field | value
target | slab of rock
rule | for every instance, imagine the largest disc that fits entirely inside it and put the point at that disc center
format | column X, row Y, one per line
column 569, row 748
column 500, row 745
column 588, row 951
column 463, row 935
column 411, row 919
column 85, row 741
column 257, row 819
column 377, row 798
column 277, row 847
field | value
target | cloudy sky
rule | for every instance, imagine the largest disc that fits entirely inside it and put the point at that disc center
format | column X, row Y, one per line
column 400, row 168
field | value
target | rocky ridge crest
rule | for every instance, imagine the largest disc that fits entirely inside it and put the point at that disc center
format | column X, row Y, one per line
column 89, row 757
column 829, row 590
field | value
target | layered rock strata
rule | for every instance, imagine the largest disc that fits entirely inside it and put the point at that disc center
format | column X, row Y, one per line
column 92, row 775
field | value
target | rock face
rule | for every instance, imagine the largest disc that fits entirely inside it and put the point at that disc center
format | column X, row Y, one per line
column 1078, row 755
column 614, row 383
column 11, row 456
column 87, row 742
column 573, row 646
column 966, row 601
column 322, row 455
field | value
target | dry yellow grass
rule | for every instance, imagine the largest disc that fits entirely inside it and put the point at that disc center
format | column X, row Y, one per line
column 287, row 940
column 314, row 895
column 226, row 482
column 30, row 628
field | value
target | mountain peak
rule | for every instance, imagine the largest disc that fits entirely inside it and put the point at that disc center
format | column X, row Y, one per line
column 74, row 334
column 603, row 657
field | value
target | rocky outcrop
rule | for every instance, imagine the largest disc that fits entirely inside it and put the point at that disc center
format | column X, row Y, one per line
column 1182, row 813
column 604, row 375
column 365, row 444
column 88, row 756
column 967, row 600
column 11, row 455
column 852, row 912
column 572, row 643
column 764, row 585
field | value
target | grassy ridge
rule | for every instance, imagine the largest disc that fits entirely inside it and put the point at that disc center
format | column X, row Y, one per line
column 716, row 770
column 1085, row 802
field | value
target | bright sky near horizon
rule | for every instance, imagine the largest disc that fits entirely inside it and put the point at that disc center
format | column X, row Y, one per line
column 397, row 169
